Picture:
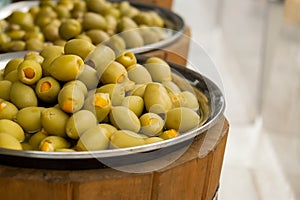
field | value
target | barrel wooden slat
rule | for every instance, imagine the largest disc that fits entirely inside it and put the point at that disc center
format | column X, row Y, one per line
column 194, row 175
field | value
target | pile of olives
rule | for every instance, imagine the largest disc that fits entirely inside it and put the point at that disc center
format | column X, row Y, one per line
column 90, row 98
column 96, row 21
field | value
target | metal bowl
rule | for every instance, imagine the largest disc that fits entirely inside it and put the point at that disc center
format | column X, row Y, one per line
column 212, row 105
column 175, row 25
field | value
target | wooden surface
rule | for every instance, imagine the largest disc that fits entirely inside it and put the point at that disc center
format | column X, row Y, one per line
column 194, row 175
column 177, row 52
column 162, row 3
column 292, row 10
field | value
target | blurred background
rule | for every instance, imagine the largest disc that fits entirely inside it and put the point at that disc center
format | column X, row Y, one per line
column 255, row 45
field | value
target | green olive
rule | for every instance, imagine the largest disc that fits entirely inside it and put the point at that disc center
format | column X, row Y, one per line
column 34, row 35
column 110, row 128
column 93, row 21
column 21, row 18
column 149, row 36
column 100, row 58
column 156, row 98
column 99, row 104
column 143, row 18
column 160, row 70
column 139, row 74
column 182, row 119
column 78, row 84
column 15, row 45
column 126, row 58
column 116, row 42
column 79, row 47
column 185, row 99
column 123, row 118
column 126, row 23
column 12, row 76
column 152, row 140
column 138, row 90
column 157, row 21
column 22, row 95
column 26, row 146
column 151, row 124
column 51, row 30
column 169, row 134
column 116, row 92
column 98, row 6
column 12, row 128
column 36, row 139
column 33, row 55
column 132, row 38
column 29, row 119
column 16, row 34
column 97, row 36
column 79, row 122
column 7, row 110
column 134, row 103
column 50, row 53
column 69, row 29
column 114, row 73
column 62, row 11
column 95, row 138
column 89, row 77
column 54, row 121
column 51, row 143
column 5, row 87
column 47, row 89
column 71, row 98
column 111, row 21
column 29, row 72
column 9, row 142
column 12, row 65
column 126, row 138
column 171, row 87
column 66, row 67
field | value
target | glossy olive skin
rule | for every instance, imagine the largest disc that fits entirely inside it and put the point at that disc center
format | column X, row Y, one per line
column 12, row 76
column 182, row 119
column 97, row 36
column 69, row 29
column 7, row 110
column 156, row 98
column 47, row 89
column 185, row 99
column 110, row 128
column 126, row 58
column 12, row 65
column 29, row 119
column 123, row 118
column 95, row 138
column 78, row 47
column 50, row 53
column 79, row 122
column 78, row 84
column 99, row 104
column 139, row 74
column 151, row 124
column 132, row 38
column 126, row 138
column 12, row 128
column 29, row 72
column 149, row 36
column 152, row 140
column 114, row 73
column 134, row 103
column 66, row 67
column 116, row 92
column 126, row 23
column 9, row 142
column 89, row 77
column 54, row 121
column 160, row 71
column 22, row 95
column 5, row 87
column 116, row 42
column 36, row 139
column 100, row 58
column 93, row 21
column 71, row 98
column 51, row 143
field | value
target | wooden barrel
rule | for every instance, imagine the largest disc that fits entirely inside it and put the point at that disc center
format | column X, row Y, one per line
column 195, row 175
